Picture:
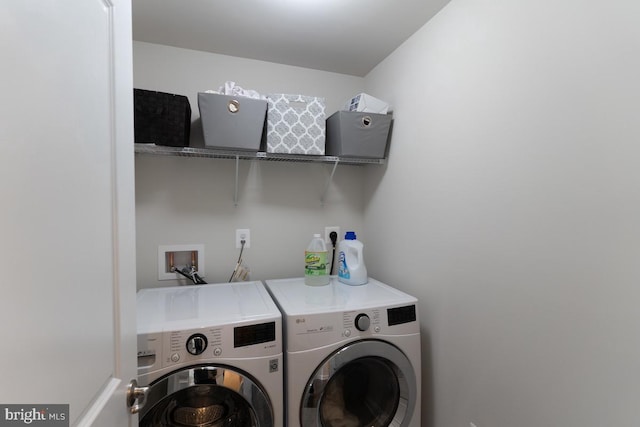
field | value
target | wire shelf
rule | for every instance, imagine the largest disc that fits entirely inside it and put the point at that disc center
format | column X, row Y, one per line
column 159, row 150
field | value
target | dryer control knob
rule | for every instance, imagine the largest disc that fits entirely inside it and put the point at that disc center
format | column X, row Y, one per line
column 196, row 344
column 362, row 322
column 217, row 351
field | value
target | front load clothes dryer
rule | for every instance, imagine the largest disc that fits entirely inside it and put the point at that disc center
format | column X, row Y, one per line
column 210, row 355
column 352, row 354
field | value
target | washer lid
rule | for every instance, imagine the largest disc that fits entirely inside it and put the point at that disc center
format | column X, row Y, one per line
column 296, row 298
column 196, row 306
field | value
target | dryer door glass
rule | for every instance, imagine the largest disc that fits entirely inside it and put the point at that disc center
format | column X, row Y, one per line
column 363, row 392
column 367, row 383
column 206, row 396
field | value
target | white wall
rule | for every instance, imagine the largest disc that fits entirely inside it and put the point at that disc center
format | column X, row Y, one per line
column 510, row 207
column 190, row 200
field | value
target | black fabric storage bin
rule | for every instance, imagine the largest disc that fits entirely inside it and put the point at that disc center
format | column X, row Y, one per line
column 161, row 118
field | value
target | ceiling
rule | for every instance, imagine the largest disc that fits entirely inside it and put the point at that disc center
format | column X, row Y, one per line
column 342, row 36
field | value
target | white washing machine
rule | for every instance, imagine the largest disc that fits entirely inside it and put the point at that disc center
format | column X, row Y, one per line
column 210, row 355
column 352, row 354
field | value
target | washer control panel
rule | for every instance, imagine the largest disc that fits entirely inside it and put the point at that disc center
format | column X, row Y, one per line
column 197, row 344
column 194, row 345
column 182, row 346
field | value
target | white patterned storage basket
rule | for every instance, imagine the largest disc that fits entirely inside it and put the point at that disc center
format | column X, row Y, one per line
column 295, row 124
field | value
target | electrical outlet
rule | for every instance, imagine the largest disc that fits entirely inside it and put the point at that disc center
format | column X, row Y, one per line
column 327, row 231
column 243, row 234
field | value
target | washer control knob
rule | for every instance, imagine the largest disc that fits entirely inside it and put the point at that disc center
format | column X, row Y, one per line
column 362, row 322
column 377, row 329
column 175, row 357
column 217, row 351
column 347, row 332
column 196, row 344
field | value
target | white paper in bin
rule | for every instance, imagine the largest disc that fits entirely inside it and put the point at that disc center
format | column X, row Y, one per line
column 366, row 104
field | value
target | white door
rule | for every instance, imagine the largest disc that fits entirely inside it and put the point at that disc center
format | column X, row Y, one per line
column 67, row 225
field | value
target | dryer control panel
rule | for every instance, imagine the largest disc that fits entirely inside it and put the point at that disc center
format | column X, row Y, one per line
column 400, row 315
column 380, row 320
column 362, row 321
column 320, row 329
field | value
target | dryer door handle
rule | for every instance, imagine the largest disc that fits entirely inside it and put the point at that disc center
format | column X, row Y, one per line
column 136, row 394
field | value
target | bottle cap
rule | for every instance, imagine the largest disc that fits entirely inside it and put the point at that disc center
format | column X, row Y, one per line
column 351, row 235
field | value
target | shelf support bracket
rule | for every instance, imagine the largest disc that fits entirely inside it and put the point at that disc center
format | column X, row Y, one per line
column 235, row 190
column 326, row 186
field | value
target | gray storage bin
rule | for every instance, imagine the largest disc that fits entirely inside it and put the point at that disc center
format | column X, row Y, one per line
column 357, row 134
column 295, row 124
column 232, row 122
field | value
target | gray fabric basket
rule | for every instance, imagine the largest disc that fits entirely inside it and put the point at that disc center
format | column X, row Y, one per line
column 357, row 134
column 232, row 122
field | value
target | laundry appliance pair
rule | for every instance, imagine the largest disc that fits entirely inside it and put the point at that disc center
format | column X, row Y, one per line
column 242, row 354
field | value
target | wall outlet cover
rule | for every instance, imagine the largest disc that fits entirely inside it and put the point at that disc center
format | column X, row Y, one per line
column 327, row 232
column 243, row 233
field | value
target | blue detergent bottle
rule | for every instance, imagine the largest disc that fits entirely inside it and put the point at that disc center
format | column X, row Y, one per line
column 351, row 268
